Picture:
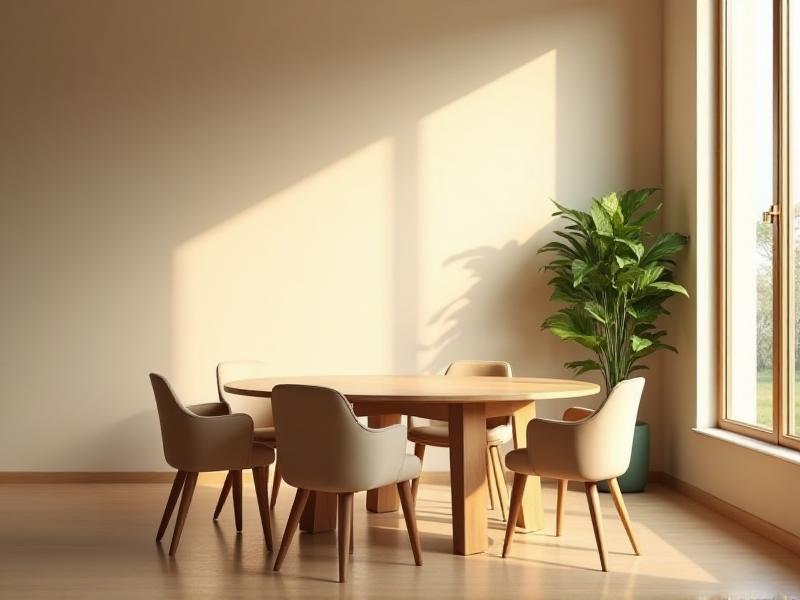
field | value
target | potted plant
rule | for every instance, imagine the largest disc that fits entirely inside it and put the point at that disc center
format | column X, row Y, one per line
column 614, row 277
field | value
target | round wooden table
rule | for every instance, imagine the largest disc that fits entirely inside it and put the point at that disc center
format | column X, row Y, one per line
column 466, row 403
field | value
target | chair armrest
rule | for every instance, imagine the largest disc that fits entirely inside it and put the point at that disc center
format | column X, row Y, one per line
column 218, row 443
column 209, row 409
column 577, row 413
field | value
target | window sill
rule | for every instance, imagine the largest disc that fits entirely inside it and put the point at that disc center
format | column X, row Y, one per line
column 779, row 452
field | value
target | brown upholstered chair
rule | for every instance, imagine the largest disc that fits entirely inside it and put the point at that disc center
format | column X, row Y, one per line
column 259, row 409
column 205, row 438
column 334, row 453
column 588, row 446
column 498, row 432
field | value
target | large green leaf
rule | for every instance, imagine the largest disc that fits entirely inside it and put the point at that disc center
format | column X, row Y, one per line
column 602, row 221
column 633, row 200
column 636, row 247
column 665, row 245
column 669, row 286
column 596, row 311
column 638, row 344
column 579, row 270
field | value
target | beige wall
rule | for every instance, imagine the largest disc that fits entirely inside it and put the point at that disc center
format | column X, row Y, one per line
column 771, row 486
column 331, row 187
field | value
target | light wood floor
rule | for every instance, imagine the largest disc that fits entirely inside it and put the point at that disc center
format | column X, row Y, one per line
column 97, row 541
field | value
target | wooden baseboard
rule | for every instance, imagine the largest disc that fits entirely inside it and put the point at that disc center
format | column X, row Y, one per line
column 748, row 520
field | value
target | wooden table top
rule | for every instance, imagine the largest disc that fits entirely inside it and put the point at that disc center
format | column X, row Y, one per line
column 426, row 388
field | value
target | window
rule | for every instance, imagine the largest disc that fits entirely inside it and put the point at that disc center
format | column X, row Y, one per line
column 760, row 218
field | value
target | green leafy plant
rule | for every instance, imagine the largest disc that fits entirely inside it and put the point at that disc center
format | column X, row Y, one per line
column 614, row 277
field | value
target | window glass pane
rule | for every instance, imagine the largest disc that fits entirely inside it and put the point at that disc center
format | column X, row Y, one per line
column 794, row 201
column 749, row 173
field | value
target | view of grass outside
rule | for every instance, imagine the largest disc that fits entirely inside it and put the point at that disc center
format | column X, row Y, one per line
column 764, row 399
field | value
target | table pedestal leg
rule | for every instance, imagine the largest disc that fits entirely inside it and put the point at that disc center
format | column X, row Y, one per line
column 383, row 499
column 468, row 477
column 320, row 513
column 531, row 516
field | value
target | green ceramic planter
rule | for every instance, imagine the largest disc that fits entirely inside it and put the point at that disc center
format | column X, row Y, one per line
column 635, row 478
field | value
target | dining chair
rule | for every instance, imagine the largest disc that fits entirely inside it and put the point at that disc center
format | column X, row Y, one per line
column 204, row 438
column 334, row 453
column 498, row 432
column 259, row 409
column 595, row 448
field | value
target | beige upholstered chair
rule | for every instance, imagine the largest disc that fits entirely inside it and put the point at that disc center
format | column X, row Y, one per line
column 202, row 439
column 334, row 453
column 595, row 448
column 259, row 409
column 498, row 432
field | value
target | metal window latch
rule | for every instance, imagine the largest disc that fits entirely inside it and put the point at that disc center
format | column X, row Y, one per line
column 770, row 215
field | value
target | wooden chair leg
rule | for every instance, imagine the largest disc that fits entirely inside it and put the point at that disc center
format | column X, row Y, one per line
column 276, row 484
column 236, row 482
column 352, row 504
column 561, row 503
column 407, row 502
column 223, row 495
column 616, row 494
column 186, row 499
column 295, row 513
column 597, row 521
column 500, row 479
column 343, row 530
column 260, row 476
column 177, row 484
column 520, row 479
column 419, row 452
column 491, row 481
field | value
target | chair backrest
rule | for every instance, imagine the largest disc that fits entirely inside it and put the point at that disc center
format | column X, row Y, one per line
column 602, row 442
column 259, row 409
column 475, row 368
column 322, row 446
column 175, row 421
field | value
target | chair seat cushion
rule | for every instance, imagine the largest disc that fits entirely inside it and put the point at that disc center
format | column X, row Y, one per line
column 261, row 456
column 439, row 435
column 265, row 435
column 517, row 461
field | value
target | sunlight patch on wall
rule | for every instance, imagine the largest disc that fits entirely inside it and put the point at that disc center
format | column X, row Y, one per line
column 300, row 281
column 487, row 167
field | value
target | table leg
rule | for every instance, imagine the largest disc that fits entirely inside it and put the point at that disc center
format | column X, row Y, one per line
column 468, row 477
column 531, row 516
column 320, row 513
column 383, row 499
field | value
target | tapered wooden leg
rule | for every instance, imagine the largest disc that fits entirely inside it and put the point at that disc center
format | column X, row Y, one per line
column 560, row 504
column 517, row 493
column 177, row 484
column 407, row 502
column 597, row 521
column 223, row 495
column 419, row 452
column 260, row 475
column 352, row 504
column 616, row 494
column 344, row 527
column 468, row 477
column 186, row 499
column 491, row 482
column 531, row 517
column 383, row 499
column 236, row 482
column 295, row 513
column 500, row 479
column 276, row 484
